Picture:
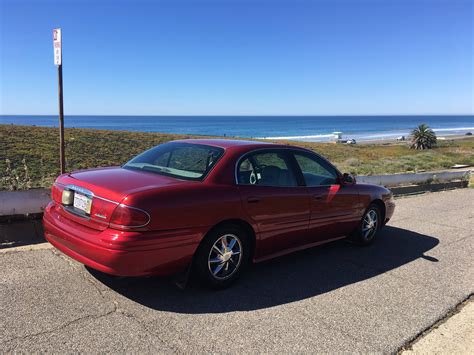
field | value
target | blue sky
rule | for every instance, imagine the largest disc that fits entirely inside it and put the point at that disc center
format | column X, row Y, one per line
column 239, row 57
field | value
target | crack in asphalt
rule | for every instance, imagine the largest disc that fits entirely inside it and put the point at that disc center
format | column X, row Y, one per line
column 83, row 275
column 59, row 328
column 148, row 331
column 116, row 307
column 76, row 320
column 118, row 304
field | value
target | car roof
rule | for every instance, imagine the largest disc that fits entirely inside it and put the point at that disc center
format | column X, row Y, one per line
column 231, row 143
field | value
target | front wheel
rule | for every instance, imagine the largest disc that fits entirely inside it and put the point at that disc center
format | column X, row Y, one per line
column 371, row 222
column 222, row 256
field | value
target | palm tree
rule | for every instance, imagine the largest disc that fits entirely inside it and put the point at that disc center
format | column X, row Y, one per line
column 423, row 137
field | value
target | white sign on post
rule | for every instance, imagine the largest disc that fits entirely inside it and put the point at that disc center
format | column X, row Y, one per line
column 57, row 46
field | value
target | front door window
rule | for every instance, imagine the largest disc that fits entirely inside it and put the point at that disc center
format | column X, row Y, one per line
column 315, row 172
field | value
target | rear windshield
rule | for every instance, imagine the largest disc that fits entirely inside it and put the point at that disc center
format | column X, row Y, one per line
column 181, row 160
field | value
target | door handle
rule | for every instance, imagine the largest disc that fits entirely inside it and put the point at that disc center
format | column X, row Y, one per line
column 318, row 197
column 253, row 200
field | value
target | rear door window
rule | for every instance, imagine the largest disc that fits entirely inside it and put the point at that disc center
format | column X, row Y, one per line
column 266, row 169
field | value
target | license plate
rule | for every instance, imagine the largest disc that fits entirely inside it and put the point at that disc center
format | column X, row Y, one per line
column 82, row 202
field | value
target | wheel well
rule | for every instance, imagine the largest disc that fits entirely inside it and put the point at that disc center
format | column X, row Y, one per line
column 244, row 226
column 380, row 204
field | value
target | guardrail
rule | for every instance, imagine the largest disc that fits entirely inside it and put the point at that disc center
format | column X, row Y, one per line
column 23, row 202
column 33, row 202
column 394, row 180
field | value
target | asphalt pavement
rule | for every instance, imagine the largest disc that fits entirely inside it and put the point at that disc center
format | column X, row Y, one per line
column 334, row 298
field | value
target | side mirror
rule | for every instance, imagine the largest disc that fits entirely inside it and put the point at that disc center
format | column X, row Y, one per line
column 348, row 179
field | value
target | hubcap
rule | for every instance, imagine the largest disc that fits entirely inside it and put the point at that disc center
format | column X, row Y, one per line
column 370, row 224
column 225, row 256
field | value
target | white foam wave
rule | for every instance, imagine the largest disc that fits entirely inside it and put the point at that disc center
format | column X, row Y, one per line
column 314, row 136
column 453, row 129
column 362, row 136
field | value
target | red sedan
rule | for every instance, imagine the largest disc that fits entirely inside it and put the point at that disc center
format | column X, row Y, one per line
column 213, row 205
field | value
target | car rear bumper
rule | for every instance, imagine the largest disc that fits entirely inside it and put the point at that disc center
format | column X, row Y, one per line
column 122, row 253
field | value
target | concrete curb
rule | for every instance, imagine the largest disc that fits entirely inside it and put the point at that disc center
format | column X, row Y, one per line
column 434, row 340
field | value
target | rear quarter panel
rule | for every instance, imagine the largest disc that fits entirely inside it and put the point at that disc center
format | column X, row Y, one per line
column 188, row 206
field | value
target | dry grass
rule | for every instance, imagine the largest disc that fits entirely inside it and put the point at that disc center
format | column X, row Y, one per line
column 29, row 155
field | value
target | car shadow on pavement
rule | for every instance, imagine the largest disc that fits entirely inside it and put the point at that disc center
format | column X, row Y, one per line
column 282, row 280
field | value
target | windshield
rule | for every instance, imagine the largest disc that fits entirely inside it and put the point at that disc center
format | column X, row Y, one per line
column 180, row 160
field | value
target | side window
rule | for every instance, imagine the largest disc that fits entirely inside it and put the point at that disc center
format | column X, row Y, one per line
column 315, row 172
column 247, row 174
column 266, row 169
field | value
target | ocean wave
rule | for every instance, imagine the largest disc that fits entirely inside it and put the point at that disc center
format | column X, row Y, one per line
column 363, row 136
column 300, row 137
column 453, row 129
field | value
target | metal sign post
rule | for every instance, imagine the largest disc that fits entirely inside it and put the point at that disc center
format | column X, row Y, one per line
column 57, row 44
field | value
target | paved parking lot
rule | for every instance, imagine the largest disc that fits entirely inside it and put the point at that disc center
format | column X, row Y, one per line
column 328, row 299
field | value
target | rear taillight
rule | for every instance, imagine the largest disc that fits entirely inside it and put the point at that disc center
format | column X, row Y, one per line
column 57, row 193
column 102, row 209
column 125, row 217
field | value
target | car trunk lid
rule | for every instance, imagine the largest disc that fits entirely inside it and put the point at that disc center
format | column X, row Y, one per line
column 91, row 196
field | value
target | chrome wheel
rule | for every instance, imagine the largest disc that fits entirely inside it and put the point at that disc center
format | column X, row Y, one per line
column 225, row 256
column 370, row 224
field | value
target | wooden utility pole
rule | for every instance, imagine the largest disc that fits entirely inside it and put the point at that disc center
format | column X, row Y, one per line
column 62, row 158
column 57, row 42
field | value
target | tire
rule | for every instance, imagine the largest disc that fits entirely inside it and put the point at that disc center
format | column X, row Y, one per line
column 369, row 225
column 222, row 256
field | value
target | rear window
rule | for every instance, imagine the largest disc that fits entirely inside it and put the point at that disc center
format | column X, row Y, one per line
column 180, row 160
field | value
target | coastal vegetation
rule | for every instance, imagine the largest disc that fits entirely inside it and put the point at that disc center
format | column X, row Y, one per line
column 29, row 155
column 423, row 137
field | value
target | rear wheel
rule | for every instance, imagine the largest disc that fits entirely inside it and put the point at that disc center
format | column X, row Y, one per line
column 222, row 256
column 368, row 227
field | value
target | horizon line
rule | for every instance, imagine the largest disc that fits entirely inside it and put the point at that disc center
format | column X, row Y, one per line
column 251, row 115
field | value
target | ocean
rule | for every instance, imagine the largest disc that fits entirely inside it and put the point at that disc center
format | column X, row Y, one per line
column 298, row 128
